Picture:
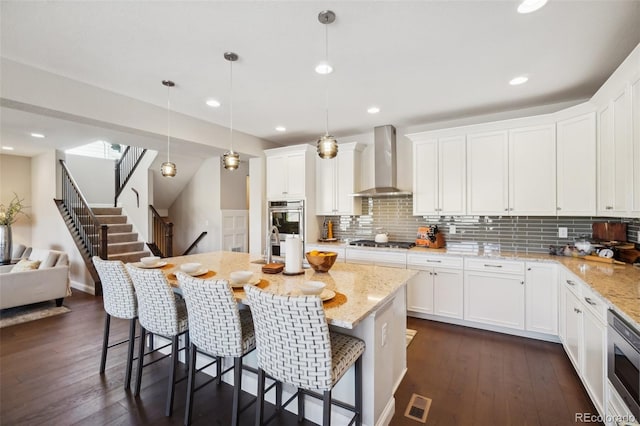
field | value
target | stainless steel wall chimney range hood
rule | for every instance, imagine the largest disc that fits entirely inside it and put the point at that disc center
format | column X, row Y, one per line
column 384, row 172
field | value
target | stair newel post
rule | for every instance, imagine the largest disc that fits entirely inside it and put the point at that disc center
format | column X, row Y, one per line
column 117, row 187
column 168, row 239
column 103, row 242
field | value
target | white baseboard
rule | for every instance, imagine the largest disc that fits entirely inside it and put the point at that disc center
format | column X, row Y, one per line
column 397, row 385
column 83, row 287
column 387, row 413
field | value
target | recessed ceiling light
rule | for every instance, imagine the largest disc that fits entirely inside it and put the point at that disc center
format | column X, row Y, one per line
column 7, row 148
column 213, row 103
column 281, row 128
column 519, row 80
column 324, row 68
column 373, row 110
column 528, row 6
column 37, row 135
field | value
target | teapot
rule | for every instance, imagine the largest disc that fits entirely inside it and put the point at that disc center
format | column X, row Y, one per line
column 381, row 237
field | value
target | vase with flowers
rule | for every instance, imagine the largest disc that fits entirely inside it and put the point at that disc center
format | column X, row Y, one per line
column 8, row 215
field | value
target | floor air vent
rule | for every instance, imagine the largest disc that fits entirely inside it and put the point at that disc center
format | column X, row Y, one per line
column 418, row 408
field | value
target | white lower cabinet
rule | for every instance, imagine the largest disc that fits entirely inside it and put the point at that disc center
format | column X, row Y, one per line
column 438, row 287
column 573, row 328
column 420, row 293
column 541, row 286
column 448, row 289
column 496, row 299
column 595, row 358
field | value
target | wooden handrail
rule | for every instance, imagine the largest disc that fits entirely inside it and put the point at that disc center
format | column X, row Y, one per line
column 162, row 233
column 195, row 243
column 125, row 167
column 92, row 233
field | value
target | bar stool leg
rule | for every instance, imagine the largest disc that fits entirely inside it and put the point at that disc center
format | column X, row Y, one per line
column 278, row 396
column 191, row 381
column 300, row 405
column 237, row 387
column 218, row 370
column 172, row 375
column 140, row 360
column 260, row 398
column 105, row 342
column 358, row 396
column 326, row 408
column 132, row 342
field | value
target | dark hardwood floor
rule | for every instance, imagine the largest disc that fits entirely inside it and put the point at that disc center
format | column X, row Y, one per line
column 477, row 377
column 49, row 375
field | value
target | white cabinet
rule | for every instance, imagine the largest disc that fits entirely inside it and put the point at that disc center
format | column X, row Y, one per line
column 336, row 180
column 594, row 365
column 541, row 287
column 487, row 173
column 290, row 172
column 494, row 293
column 572, row 342
column 532, row 170
column 439, row 183
column 635, row 109
column 438, row 287
column 576, row 166
column 615, row 156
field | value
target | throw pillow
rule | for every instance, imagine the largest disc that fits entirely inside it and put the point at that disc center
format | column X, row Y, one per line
column 25, row 265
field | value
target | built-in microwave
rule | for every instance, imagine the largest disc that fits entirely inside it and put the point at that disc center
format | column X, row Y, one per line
column 287, row 218
column 623, row 361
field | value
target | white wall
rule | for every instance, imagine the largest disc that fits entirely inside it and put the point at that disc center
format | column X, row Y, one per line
column 15, row 177
column 48, row 228
column 94, row 176
column 197, row 209
column 138, row 210
column 233, row 187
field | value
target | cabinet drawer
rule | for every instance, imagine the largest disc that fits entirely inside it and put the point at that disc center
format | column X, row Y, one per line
column 422, row 261
column 392, row 259
column 572, row 283
column 594, row 303
column 494, row 265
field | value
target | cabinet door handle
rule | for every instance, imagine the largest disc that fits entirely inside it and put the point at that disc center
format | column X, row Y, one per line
column 521, row 282
column 528, row 269
column 430, row 273
column 609, row 207
column 558, row 208
column 435, row 273
column 434, row 261
column 590, row 301
column 284, row 192
column 570, row 282
column 486, row 265
column 578, row 311
column 506, row 209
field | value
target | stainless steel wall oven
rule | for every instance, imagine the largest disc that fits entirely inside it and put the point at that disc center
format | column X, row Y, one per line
column 287, row 217
column 624, row 361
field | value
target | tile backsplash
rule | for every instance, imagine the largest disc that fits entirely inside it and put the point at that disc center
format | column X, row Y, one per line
column 512, row 233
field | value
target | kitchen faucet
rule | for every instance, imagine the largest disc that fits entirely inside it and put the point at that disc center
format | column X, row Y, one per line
column 273, row 229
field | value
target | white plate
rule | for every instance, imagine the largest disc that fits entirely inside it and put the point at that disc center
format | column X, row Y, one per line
column 199, row 272
column 253, row 281
column 157, row 265
column 327, row 294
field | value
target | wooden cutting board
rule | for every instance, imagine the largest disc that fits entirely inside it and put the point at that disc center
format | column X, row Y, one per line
column 605, row 231
column 603, row 260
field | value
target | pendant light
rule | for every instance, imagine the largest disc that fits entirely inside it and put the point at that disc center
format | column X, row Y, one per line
column 327, row 145
column 168, row 168
column 231, row 159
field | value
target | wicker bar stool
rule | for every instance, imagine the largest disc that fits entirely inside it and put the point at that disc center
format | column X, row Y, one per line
column 295, row 346
column 119, row 298
column 160, row 312
column 216, row 328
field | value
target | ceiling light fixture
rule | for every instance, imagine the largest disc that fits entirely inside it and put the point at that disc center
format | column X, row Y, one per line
column 281, row 129
column 519, row 80
column 8, row 148
column 230, row 159
column 373, row 110
column 168, row 168
column 37, row 135
column 213, row 103
column 528, row 6
column 327, row 145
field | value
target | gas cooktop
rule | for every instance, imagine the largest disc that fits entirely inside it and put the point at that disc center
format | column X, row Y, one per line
column 390, row 244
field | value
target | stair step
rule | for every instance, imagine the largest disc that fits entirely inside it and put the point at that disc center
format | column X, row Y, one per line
column 122, row 237
column 119, row 228
column 109, row 219
column 129, row 257
column 114, row 211
column 117, row 248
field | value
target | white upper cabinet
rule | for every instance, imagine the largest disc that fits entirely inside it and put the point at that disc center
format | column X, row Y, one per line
column 615, row 156
column 439, row 176
column 532, row 171
column 635, row 119
column 290, row 172
column 487, row 173
column 337, row 179
column 576, row 166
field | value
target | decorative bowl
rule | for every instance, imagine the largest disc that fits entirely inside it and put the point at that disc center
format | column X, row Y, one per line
column 150, row 260
column 240, row 277
column 191, row 267
column 312, row 287
column 321, row 261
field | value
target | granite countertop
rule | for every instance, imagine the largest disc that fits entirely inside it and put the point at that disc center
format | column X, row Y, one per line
column 364, row 287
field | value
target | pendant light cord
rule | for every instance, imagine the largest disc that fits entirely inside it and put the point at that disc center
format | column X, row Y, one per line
column 326, row 57
column 168, row 124
column 231, row 106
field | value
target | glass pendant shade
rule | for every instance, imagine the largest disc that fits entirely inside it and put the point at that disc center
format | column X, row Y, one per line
column 168, row 169
column 327, row 147
column 230, row 160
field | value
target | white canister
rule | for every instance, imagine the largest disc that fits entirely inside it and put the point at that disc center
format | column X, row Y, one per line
column 293, row 255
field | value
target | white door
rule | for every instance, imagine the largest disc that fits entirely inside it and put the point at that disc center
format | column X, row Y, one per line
column 541, row 286
column 576, row 166
column 235, row 230
column 425, row 177
column 420, row 293
column 487, row 173
column 448, row 288
column 496, row 299
column 452, row 176
column 532, row 170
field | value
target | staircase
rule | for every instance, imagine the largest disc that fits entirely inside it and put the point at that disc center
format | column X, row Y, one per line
column 122, row 243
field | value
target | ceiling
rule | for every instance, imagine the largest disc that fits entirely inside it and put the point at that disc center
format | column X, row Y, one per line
column 418, row 61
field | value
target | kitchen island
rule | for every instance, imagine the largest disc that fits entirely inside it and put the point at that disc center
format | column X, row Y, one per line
column 370, row 304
